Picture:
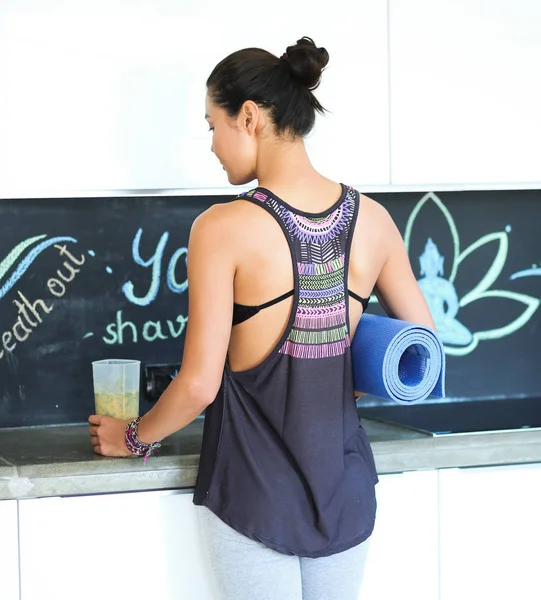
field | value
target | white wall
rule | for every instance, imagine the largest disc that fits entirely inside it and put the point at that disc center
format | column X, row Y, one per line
column 106, row 96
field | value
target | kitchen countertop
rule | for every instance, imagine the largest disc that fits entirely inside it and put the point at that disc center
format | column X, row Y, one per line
column 38, row 462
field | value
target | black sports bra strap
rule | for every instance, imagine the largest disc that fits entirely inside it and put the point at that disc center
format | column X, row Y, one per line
column 363, row 301
column 242, row 312
column 276, row 300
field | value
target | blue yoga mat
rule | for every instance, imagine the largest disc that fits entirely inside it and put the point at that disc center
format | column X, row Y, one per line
column 397, row 360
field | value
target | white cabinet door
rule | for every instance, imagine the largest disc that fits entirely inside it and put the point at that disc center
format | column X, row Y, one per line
column 465, row 91
column 490, row 533
column 142, row 545
column 403, row 556
column 130, row 115
column 9, row 551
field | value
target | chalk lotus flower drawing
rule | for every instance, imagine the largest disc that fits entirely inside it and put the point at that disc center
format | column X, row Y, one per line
column 440, row 292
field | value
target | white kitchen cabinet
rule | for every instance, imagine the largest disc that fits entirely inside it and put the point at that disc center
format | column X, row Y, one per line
column 490, row 533
column 9, row 551
column 84, row 546
column 457, row 533
column 143, row 545
column 403, row 556
column 465, row 82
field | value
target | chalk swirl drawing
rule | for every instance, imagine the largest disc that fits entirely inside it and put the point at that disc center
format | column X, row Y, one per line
column 440, row 292
column 10, row 261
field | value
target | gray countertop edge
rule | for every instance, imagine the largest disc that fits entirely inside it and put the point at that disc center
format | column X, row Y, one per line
column 454, row 451
column 105, row 475
column 88, row 478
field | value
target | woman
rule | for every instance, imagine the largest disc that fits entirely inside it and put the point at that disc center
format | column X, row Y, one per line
column 278, row 280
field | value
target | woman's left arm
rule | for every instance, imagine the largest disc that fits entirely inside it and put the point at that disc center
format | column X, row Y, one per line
column 211, row 272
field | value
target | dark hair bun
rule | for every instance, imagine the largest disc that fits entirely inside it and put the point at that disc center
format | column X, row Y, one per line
column 306, row 61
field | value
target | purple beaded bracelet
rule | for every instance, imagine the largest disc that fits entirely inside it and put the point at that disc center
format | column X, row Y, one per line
column 135, row 445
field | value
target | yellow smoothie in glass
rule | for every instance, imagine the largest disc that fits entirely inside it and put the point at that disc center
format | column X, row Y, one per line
column 121, row 406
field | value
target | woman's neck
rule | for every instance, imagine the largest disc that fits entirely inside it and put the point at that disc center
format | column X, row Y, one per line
column 285, row 169
column 285, row 165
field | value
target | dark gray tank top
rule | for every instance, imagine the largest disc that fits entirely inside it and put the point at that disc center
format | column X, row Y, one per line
column 284, row 459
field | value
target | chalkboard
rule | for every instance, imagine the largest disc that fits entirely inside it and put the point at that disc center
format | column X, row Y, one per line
column 96, row 278
column 89, row 278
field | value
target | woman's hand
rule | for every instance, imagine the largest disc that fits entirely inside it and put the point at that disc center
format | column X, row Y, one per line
column 107, row 435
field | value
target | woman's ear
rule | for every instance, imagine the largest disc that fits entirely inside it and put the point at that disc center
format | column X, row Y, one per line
column 249, row 116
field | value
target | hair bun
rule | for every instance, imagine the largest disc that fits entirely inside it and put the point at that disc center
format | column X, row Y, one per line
column 306, row 61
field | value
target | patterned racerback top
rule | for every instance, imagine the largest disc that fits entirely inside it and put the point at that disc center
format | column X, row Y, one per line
column 285, row 459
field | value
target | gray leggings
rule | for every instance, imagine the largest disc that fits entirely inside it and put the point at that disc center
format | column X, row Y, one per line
column 248, row 570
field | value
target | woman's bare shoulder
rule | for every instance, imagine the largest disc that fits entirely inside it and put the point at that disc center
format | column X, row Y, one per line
column 235, row 224
column 374, row 217
column 226, row 214
column 372, row 207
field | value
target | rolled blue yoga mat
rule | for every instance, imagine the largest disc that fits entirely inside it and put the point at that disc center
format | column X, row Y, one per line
column 397, row 360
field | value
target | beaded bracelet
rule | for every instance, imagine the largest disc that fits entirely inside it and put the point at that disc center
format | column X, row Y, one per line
column 135, row 445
